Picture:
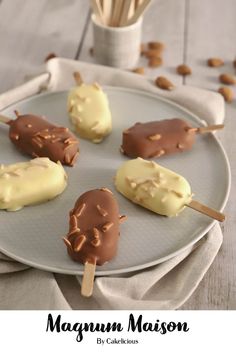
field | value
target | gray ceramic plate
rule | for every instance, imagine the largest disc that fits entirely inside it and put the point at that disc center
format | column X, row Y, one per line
column 33, row 235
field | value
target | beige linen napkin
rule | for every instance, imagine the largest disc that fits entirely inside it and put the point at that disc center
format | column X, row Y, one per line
column 165, row 286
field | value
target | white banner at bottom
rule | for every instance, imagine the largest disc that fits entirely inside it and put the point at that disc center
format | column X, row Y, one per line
column 106, row 331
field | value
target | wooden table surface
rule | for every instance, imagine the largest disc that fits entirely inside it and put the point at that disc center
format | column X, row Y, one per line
column 193, row 30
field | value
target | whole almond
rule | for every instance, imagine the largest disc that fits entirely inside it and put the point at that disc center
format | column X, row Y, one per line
column 50, row 56
column 152, row 53
column 215, row 62
column 234, row 63
column 142, row 48
column 183, row 70
column 156, row 45
column 139, row 70
column 154, row 62
column 227, row 93
column 163, row 83
column 91, row 51
column 227, row 79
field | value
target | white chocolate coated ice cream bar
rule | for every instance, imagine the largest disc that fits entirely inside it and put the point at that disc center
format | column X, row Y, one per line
column 154, row 187
column 89, row 112
column 32, row 182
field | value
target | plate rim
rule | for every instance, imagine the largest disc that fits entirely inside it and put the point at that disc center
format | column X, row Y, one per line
column 142, row 267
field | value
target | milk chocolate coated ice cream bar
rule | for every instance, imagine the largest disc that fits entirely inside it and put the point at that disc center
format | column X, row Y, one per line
column 94, row 227
column 158, row 138
column 37, row 137
column 93, row 232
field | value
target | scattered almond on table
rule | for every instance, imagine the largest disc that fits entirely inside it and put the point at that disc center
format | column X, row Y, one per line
column 215, row 62
column 227, row 79
column 152, row 53
column 139, row 70
column 227, row 93
column 154, row 62
column 163, row 83
column 156, row 45
column 184, row 70
column 142, row 48
column 50, row 56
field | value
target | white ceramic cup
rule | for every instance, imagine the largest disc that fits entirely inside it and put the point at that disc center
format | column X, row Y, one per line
column 117, row 46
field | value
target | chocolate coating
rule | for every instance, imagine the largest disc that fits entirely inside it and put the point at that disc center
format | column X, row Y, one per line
column 37, row 137
column 94, row 227
column 154, row 139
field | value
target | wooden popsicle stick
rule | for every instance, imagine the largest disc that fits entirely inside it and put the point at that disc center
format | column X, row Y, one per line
column 78, row 78
column 212, row 213
column 107, row 11
column 124, row 13
column 88, row 279
column 137, row 3
column 131, row 9
column 97, row 9
column 118, row 5
column 4, row 119
column 138, row 13
column 210, row 128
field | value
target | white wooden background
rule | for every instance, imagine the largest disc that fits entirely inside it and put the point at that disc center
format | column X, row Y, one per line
column 193, row 30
